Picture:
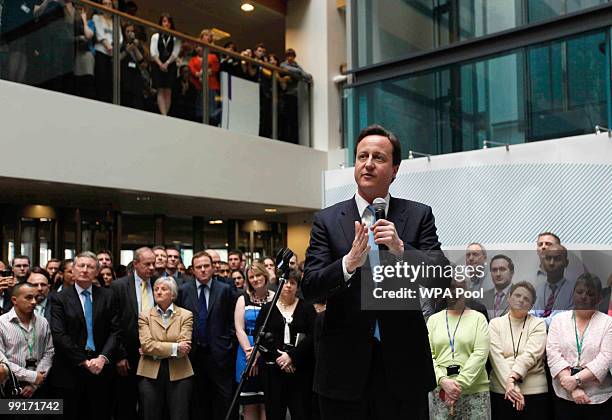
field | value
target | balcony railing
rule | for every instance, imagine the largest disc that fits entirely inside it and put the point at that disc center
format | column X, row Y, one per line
column 70, row 46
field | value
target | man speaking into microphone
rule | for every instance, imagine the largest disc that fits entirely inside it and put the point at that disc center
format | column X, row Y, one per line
column 370, row 364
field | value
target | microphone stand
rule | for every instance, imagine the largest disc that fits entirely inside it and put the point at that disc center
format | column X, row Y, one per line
column 257, row 345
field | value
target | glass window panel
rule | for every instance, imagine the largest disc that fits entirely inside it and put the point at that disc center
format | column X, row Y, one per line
column 382, row 32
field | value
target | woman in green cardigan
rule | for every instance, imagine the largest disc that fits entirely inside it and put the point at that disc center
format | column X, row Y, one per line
column 459, row 340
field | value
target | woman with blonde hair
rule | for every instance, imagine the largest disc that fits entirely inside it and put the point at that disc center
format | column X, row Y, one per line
column 248, row 306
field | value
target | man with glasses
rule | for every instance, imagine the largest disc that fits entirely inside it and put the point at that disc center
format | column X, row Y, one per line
column 212, row 356
column 21, row 268
column 86, row 342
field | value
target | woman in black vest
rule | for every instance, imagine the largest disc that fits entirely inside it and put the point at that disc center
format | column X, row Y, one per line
column 165, row 49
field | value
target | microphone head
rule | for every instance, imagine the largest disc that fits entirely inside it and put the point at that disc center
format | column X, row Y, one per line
column 282, row 258
column 379, row 204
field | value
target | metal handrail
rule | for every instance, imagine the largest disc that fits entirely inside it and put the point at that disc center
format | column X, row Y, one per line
column 213, row 47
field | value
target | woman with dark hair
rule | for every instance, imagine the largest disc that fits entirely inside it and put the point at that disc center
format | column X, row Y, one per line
column 288, row 367
column 229, row 64
column 106, row 276
column 579, row 353
column 239, row 279
column 519, row 389
column 247, row 309
column 184, row 96
column 165, row 50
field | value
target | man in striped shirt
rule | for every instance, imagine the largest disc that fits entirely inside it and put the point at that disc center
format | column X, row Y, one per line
column 25, row 339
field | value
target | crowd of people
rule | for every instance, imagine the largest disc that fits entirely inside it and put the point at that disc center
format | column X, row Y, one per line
column 538, row 349
column 157, row 339
column 64, row 46
column 163, row 339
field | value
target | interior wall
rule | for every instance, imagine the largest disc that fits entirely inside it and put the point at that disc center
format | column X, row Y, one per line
column 60, row 138
column 317, row 31
column 298, row 233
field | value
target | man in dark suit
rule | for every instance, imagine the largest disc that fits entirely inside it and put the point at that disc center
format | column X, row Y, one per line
column 41, row 280
column 174, row 258
column 133, row 295
column 6, row 287
column 85, row 330
column 212, row 356
column 371, row 364
column 496, row 299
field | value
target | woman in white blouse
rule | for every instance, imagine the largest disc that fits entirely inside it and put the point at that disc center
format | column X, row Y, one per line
column 519, row 389
column 579, row 353
column 103, row 68
column 165, row 50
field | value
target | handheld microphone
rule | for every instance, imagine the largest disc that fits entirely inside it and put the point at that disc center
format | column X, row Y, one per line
column 282, row 258
column 379, row 213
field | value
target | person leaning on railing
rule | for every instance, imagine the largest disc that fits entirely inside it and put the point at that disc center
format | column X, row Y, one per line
column 519, row 388
column 459, row 340
column 165, row 336
column 579, row 351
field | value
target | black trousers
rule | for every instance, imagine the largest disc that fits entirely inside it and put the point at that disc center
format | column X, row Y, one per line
column 212, row 388
column 91, row 399
column 158, row 396
column 378, row 401
column 284, row 391
column 568, row 410
column 537, row 407
column 103, row 71
column 125, row 391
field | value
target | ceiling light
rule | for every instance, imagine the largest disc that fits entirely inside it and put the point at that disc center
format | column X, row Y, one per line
column 270, row 210
column 247, row 6
column 215, row 222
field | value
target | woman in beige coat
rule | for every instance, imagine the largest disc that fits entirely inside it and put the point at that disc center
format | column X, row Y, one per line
column 165, row 337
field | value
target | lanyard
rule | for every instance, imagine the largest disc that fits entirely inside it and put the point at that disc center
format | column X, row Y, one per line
column 580, row 342
column 452, row 340
column 30, row 338
column 516, row 351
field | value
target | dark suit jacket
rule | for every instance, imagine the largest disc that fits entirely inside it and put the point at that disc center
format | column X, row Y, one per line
column 69, row 333
column 8, row 303
column 124, row 291
column 346, row 343
column 605, row 302
column 220, row 320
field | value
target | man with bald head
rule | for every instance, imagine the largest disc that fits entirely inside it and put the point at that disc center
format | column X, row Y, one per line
column 556, row 293
column 133, row 295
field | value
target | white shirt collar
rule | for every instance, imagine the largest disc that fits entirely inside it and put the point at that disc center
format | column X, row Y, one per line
column 80, row 290
column 362, row 204
column 168, row 312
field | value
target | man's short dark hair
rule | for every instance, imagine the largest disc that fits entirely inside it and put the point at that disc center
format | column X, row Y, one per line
column 39, row 270
column 172, row 248
column 107, row 252
column 235, row 252
column 379, row 130
column 550, row 234
column 53, row 260
column 260, row 45
column 22, row 257
column 200, row 255
column 64, row 264
column 504, row 257
column 290, row 51
column 19, row 286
